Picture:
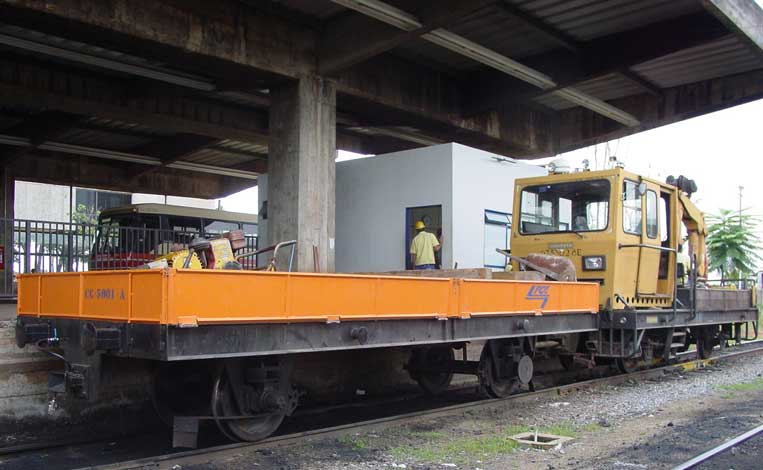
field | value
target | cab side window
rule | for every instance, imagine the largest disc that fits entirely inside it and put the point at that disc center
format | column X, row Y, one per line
column 631, row 208
column 652, row 226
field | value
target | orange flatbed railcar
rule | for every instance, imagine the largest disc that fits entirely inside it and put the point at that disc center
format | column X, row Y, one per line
column 223, row 325
column 191, row 298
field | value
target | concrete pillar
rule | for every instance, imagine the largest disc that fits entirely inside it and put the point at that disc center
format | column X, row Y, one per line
column 302, row 171
column 7, row 200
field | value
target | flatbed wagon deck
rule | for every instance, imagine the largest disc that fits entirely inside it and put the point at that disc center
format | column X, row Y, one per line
column 175, row 314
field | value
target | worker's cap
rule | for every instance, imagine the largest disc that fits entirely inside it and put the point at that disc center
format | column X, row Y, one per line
column 420, row 225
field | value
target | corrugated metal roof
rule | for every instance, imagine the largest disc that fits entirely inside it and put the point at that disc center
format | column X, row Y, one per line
column 217, row 157
column 607, row 87
column 127, row 127
column 589, row 19
column 492, row 27
column 244, row 147
column 321, row 9
column 6, row 122
column 97, row 138
column 723, row 57
column 89, row 49
column 241, row 98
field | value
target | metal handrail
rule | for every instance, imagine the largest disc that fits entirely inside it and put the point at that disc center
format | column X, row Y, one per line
column 47, row 246
column 271, row 266
column 645, row 245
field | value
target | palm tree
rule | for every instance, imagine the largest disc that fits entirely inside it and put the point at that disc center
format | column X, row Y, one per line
column 732, row 245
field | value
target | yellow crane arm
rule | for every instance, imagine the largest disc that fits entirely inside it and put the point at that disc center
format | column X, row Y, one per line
column 694, row 221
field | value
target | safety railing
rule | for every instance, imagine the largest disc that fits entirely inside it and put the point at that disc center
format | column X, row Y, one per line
column 28, row 246
column 735, row 283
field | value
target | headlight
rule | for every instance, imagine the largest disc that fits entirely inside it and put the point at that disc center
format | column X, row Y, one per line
column 594, row 263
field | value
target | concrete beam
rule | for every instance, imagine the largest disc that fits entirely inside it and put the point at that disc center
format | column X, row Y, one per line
column 54, row 168
column 430, row 95
column 172, row 149
column 743, row 17
column 39, row 127
column 388, row 91
column 353, row 38
column 612, row 54
column 579, row 128
column 155, row 106
column 7, row 193
column 302, row 171
column 224, row 30
column 479, row 53
column 7, row 201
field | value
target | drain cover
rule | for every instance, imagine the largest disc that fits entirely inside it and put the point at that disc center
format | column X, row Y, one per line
column 540, row 440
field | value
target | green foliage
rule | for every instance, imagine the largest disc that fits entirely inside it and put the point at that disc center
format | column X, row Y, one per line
column 82, row 216
column 355, row 442
column 732, row 245
column 488, row 445
column 731, row 390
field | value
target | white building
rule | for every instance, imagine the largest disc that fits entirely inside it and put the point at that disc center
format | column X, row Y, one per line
column 465, row 193
column 55, row 203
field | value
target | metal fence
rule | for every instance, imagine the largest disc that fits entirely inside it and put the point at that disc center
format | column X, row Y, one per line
column 28, row 246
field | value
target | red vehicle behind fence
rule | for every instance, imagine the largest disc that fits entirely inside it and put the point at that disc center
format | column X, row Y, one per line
column 131, row 236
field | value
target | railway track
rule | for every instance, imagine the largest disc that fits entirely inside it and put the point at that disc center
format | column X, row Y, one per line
column 720, row 449
column 201, row 456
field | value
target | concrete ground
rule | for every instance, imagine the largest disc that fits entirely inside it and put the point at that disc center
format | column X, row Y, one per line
column 7, row 311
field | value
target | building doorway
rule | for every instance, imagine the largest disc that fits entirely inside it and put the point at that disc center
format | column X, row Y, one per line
column 432, row 218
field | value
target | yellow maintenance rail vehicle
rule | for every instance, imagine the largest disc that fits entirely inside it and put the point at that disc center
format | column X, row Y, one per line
column 624, row 231
column 228, row 345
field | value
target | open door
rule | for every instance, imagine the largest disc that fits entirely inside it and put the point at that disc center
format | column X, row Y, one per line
column 432, row 218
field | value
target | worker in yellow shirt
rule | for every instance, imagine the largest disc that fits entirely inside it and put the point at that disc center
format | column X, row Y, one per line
column 684, row 260
column 423, row 247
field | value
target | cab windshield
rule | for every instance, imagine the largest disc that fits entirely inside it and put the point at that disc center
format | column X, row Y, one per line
column 579, row 206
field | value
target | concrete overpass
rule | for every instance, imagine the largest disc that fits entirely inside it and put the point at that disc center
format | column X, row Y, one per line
column 197, row 98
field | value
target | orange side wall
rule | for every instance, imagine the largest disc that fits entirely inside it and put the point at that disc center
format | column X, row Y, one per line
column 193, row 297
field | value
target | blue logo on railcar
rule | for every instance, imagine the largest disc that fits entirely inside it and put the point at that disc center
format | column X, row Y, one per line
column 538, row 293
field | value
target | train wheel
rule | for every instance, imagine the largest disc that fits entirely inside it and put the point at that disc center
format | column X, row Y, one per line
column 434, row 357
column 498, row 371
column 705, row 336
column 628, row 365
column 264, row 398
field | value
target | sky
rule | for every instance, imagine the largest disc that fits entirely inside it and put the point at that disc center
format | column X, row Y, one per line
column 721, row 151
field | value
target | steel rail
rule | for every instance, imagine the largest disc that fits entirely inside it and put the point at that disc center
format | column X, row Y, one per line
column 204, row 455
column 705, row 456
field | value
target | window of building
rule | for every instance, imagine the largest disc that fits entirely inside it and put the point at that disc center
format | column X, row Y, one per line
column 631, row 208
column 217, row 227
column 250, row 229
column 497, row 232
column 91, row 202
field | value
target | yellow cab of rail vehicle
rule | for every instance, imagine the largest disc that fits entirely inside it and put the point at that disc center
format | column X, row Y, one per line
column 619, row 229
